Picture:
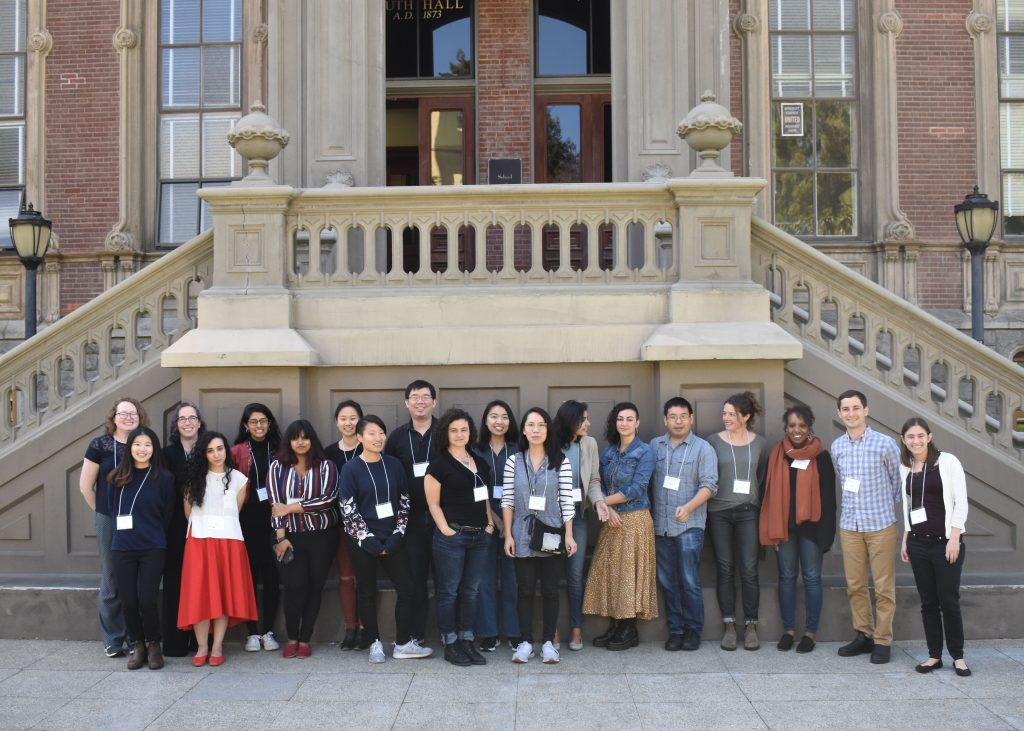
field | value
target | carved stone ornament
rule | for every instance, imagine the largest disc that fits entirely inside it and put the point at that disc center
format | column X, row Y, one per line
column 125, row 39
column 41, row 42
column 746, row 23
column 898, row 231
column 979, row 23
column 658, row 172
column 339, row 179
column 708, row 128
column 890, row 22
column 260, row 34
column 258, row 138
column 119, row 241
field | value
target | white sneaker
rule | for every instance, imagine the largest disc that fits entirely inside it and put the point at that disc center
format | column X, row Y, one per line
column 523, row 653
column 269, row 642
column 549, row 653
column 252, row 644
column 377, row 652
column 411, row 650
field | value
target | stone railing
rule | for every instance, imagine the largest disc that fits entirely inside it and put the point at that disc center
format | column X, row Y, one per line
column 883, row 337
column 108, row 339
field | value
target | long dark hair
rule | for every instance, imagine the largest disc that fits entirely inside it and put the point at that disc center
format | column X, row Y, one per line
column 568, row 419
column 125, row 471
column 552, row 448
column 611, row 434
column 198, row 467
column 441, row 432
column 174, row 437
column 273, row 432
column 905, row 456
column 300, row 427
column 511, row 436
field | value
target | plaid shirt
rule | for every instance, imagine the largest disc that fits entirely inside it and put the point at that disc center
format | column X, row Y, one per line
column 874, row 460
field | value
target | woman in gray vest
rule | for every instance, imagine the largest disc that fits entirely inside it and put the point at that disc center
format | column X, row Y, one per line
column 538, row 510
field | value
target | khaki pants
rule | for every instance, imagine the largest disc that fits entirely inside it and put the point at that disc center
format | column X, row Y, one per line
column 877, row 550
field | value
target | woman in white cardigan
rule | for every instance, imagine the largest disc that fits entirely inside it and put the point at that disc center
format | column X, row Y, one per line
column 934, row 513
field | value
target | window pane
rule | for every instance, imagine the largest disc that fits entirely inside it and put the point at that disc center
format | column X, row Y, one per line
column 12, row 155
column 447, row 159
column 12, row 25
column 793, row 151
column 836, row 204
column 791, row 66
column 222, row 21
column 794, row 203
column 179, row 147
column 179, row 21
column 10, row 204
column 180, row 77
column 1011, row 135
column 400, row 29
column 1011, row 67
column 1011, row 15
column 205, row 219
column 833, row 14
column 789, row 15
column 451, row 51
column 1013, row 203
column 562, row 38
column 219, row 159
column 12, row 86
column 834, row 130
column 601, row 37
column 563, row 158
column 833, row 66
column 221, row 71
column 179, row 212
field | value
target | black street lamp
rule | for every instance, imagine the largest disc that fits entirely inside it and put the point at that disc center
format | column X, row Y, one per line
column 30, row 233
column 976, row 220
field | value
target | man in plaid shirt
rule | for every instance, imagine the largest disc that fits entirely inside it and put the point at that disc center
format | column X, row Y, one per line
column 867, row 464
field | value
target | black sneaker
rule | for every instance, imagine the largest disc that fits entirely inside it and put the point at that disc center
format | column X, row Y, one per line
column 880, row 655
column 674, row 643
column 470, row 651
column 363, row 639
column 513, row 642
column 349, row 641
column 691, row 640
column 785, row 642
column 114, row 651
column 454, row 654
column 860, row 645
column 488, row 644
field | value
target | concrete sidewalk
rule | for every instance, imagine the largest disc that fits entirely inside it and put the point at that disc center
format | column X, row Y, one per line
column 71, row 685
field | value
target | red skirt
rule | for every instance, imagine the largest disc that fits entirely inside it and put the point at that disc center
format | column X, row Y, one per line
column 215, row 581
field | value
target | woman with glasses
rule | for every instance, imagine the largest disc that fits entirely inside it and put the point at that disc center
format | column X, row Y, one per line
column 104, row 454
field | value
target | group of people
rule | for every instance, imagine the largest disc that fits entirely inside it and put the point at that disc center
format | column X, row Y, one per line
column 492, row 509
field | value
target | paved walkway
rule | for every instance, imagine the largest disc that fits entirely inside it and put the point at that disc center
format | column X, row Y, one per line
column 71, row 685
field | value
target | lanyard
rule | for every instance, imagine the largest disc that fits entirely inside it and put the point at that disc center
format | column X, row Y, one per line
column 136, row 494
column 682, row 465
column 344, row 452
column 387, row 480
column 494, row 468
column 924, row 474
column 531, row 476
column 735, row 468
column 255, row 468
column 413, row 451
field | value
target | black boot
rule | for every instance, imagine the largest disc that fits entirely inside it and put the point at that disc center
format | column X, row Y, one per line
column 625, row 637
column 603, row 640
column 349, row 641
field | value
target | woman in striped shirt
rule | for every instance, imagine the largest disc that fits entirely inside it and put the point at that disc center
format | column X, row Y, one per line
column 304, row 495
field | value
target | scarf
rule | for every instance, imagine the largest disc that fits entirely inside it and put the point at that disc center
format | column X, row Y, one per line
column 774, row 522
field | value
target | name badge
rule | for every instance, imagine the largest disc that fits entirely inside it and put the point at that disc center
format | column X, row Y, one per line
column 551, row 542
column 293, row 500
column 741, row 487
column 671, row 483
column 124, row 522
column 918, row 516
column 498, row 490
column 851, row 485
column 537, row 502
column 214, row 522
column 801, row 464
column 419, row 469
column 385, row 510
column 479, row 493
column 261, row 493
column 577, row 495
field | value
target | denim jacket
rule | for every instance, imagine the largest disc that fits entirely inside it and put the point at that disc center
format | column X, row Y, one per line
column 628, row 472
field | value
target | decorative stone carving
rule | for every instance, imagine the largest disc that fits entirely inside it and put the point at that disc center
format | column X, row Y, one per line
column 746, row 23
column 41, row 42
column 339, row 179
column 260, row 34
column 125, row 39
column 890, row 22
column 659, row 172
column 978, row 23
column 708, row 128
column 901, row 230
column 119, row 241
column 259, row 139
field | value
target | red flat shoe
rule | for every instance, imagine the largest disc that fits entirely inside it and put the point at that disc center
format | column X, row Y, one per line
column 290, row 650
column 216, row 661
column 305, row 650
column 199, row 660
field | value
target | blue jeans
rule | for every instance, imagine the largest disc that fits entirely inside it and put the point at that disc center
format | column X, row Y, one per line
column 735, row 540
column 459, row 562
column 497, row 567
column 805, row 552
column 112, row 622
column 574, row 570
column 679, row 578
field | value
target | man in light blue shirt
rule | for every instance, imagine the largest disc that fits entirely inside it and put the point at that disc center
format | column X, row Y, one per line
column 685, row 478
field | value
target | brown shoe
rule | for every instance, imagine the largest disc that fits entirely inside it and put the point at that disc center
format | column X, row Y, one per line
column 137, row 658
column 155, row 655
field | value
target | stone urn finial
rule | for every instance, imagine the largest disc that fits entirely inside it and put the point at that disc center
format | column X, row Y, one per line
column 708, row 128
column 259, row 139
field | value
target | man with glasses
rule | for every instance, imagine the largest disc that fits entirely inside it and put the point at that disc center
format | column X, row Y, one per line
column 412, row 444
column 685, row 478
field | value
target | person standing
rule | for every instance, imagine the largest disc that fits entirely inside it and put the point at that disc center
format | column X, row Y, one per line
column 413, row 445
column 868, row 467
column 934, row 514
column 685, row 478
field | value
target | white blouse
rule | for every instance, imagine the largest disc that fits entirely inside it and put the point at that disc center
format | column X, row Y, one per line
column 217, row 517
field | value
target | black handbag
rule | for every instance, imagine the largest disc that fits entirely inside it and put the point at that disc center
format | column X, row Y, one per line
column 546, row 539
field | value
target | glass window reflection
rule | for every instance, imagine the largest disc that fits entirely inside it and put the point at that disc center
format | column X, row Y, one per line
column 429, row 39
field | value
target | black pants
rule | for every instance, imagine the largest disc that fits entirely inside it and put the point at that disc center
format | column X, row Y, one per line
column 304, row 579
column 255, row 519
column 365, row 567
column 549, row 570
column 938, row 585
column 419, row 534
column 138, row 582
column 735, row 540
column 177, row 643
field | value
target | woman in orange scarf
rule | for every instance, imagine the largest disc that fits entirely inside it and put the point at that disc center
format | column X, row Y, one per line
column 798, row 518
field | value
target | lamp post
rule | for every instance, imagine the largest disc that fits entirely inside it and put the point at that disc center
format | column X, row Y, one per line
column 30, row 233
column 976, row 220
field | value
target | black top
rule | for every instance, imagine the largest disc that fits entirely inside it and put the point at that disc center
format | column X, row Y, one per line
column 935, row 508
column 151, row 510
column 341, row 457
column 823, row 532
column 364, row 485
column 457, row 482
column 177, row 464
column 255, row 514
column 497, row 464
column 107, row 453
column 409, row 446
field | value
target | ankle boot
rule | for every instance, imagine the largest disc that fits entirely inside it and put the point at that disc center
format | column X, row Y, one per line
column 137, row 658
column 750, row 639
column 154, row 655
column 625, row 637
column 603, row 640
column 729, row 636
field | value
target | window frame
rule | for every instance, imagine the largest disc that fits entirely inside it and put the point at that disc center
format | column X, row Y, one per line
column 1001, row 102
column 15, row 121
column 443, row 80
column 537, row 75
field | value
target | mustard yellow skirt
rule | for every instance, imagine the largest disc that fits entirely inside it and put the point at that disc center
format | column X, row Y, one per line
column 623, row 577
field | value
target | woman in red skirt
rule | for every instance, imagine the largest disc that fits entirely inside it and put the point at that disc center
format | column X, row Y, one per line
column 216, row 585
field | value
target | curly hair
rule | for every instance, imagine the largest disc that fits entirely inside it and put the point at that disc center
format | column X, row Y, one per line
column 175, row 437
column 198, row 467
column 111, row 427
column 611, row 434
column 452, row 415
column 804, row 412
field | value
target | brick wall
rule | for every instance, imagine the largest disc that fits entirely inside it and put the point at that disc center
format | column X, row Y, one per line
column 736, row 151
column 81, row 137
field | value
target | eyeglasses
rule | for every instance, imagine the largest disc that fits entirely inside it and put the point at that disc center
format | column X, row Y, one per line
column 188, row 419
column 127, row 415
column 420, row 399
column 258, row 422
column 678, row 417
column 537, row 425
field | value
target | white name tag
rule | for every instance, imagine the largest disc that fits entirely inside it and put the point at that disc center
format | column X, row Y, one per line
column 851, row 485
column 385, row 510
column 801, row 464
column 261, row 493
column 741, row 487
column 918, row 516
column 293, row 500
column 214, row 522
column 498, row 490
column 537, row 502
column 671, row 483
column 419, row 469
column 551, row 542
column 577, row 495
column 480, row 493
column 124, row 522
